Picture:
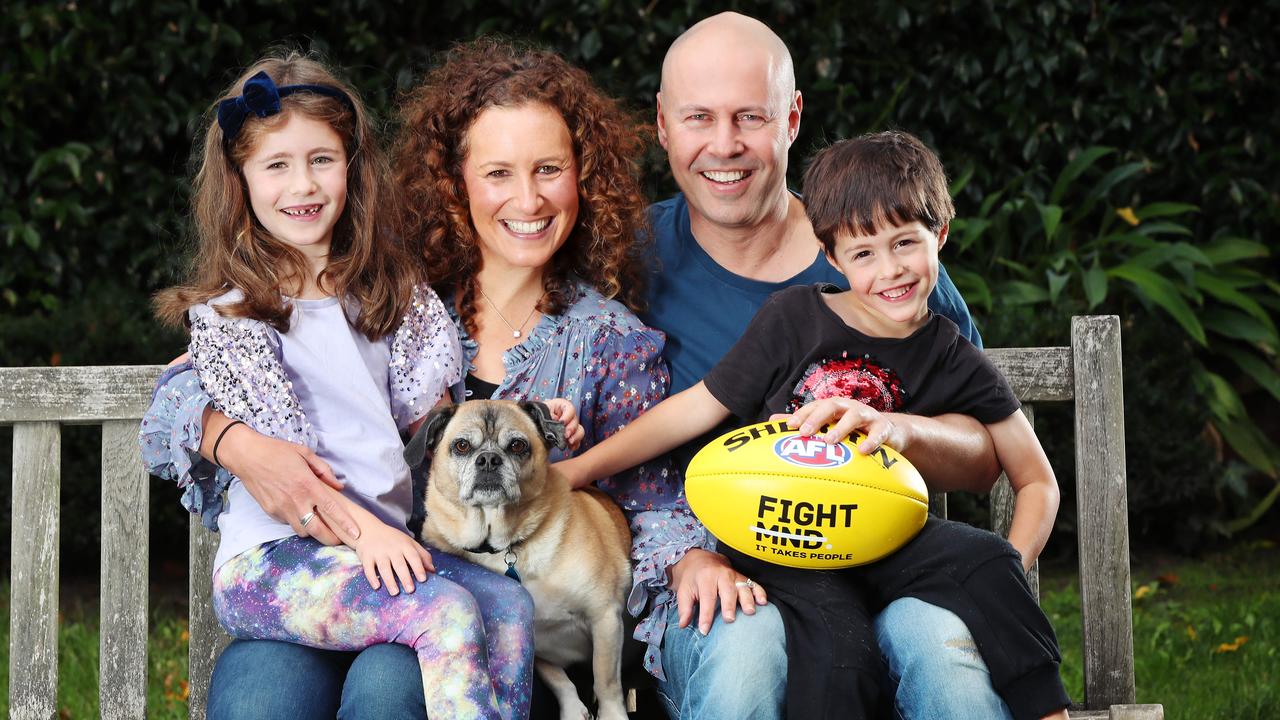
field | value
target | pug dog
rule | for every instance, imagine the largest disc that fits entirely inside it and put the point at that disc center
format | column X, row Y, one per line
column 493, row 500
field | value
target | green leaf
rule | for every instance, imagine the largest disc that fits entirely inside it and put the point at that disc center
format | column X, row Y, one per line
column 1249, row 443
column 1255, row 367
column 1163, row 228
column 1050, row 216
column 1229, row 249
column 1225, row 292
column 961, row 182
column 1165, row 209
column 1115, row 177
column 1239, row 326
column 1017, row 292
column 972, row 286
column 591, row 44
column 1222, row 399
column 1163, row 293
column 1057, row 281
column 1095, row 285
column 1073, row 170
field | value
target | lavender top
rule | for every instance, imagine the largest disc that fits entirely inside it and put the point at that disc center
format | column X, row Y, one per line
column 325, row 385
column 597, row 355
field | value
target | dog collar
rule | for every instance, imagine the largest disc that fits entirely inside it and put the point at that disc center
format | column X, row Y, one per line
column 509, row 558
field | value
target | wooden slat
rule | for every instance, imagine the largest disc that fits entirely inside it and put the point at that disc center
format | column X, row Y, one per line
column 938, row 504
column 1136, row 712
column 33, row 619
column 207, row 636
column 1106, row 605
column 122, row 689
column 76, row 394
column 1036, row 374
column 1002, row 499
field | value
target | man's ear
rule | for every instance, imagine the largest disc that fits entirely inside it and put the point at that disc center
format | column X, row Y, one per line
column 793, row 117
column 428, row 436
column 942, row 235
column 551, row 430
column 662, row 124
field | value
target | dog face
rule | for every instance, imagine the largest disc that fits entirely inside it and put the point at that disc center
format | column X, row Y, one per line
column 487, row 452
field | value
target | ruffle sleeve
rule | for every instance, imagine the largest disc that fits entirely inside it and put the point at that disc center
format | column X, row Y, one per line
column 170, row 436
column 426, row 358
column 659, row 540
column 239, row 364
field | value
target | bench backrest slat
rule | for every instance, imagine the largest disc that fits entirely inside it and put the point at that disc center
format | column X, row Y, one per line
column 76, row 395
column 1103, row 515
column 33, row 579
column 122, row 686
column 207, row 636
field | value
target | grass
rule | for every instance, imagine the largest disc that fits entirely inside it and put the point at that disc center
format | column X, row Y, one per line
column 1206, row 641
column 1204, row 633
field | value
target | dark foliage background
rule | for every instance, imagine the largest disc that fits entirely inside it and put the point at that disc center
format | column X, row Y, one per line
column 1055, row 118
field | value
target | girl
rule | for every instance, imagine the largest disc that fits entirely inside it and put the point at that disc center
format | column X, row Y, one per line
column 307, row 325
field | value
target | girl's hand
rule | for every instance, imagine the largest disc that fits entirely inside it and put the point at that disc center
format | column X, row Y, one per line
column 848, row 415
column 564, row 411
column 388, row 554
column 572, row 470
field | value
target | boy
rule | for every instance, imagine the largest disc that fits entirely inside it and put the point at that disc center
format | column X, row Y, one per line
column 879, row 205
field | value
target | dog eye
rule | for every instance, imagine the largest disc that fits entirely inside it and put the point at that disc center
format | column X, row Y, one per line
column 518, row 446
column 462, row 445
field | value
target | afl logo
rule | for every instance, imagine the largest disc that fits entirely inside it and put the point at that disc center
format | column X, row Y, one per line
column 811, row 452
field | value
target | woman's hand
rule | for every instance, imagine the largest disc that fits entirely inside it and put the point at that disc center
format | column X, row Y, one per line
column 388, row 554
column 288, row 480
column 849, row 415
column 564, row 411
column 703, row 577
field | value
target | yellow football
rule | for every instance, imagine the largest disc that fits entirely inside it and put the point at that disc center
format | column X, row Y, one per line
column 774, row 494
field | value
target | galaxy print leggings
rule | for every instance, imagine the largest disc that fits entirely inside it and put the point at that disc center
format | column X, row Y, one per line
column 472, row 629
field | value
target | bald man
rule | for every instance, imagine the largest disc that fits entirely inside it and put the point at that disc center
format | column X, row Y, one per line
column 727, row 114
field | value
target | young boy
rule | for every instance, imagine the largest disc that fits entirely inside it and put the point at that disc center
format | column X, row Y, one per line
column 880, row 206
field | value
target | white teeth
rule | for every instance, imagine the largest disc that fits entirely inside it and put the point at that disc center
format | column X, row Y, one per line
column 725, row 177
column 896, row 293
column 527, row 228
column 302, row 212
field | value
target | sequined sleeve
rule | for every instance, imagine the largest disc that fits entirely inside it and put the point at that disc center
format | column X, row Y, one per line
column 425, row 358
column 238, row 361
column 170, row 435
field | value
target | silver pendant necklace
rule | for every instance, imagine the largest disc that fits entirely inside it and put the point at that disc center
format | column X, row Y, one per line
column 516, row 332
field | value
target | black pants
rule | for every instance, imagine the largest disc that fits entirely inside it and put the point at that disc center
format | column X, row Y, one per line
column 834, row 664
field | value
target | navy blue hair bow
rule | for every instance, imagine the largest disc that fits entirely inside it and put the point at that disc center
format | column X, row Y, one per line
column 261, row 97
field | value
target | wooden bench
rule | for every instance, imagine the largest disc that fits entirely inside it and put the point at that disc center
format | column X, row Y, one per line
column 36, row 401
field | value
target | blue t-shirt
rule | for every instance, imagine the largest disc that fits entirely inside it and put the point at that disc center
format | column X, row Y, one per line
column 704, row 308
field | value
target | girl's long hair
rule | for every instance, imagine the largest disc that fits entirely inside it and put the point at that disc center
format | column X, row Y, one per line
column 602, row 249
column 368, row 262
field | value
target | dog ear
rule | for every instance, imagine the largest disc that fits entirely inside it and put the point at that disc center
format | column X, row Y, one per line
column 428, row 435
column 552, row 430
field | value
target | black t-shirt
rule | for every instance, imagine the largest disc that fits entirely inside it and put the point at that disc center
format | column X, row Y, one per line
column 797, row 349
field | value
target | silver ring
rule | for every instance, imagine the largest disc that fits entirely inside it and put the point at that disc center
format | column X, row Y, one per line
column 748, row 583
column 307, row 518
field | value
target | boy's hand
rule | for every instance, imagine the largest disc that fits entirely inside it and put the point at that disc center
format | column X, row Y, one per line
column 564, row 411
column 388, row 554
column 843, row 416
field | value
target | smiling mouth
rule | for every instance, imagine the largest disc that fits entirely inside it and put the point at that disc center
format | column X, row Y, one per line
column 726, row 177
column 896, row 293
column 529, row 227
column 302, row 211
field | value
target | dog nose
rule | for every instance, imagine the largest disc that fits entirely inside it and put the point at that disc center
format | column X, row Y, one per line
column 488, row 461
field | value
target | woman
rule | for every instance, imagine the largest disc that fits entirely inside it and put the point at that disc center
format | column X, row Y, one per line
column 520, row 181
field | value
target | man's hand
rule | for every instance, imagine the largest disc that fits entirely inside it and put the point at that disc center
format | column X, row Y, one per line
column 702, row 577
column 288, row 480
column 848, row 415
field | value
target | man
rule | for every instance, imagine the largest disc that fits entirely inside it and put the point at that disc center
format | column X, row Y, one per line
column 727, row 114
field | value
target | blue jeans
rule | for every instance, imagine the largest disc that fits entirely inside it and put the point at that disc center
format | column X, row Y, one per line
column 739, row 670
column 274, row 680
column 934, row 665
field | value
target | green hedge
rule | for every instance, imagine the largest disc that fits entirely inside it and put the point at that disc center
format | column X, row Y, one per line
column 99, row 103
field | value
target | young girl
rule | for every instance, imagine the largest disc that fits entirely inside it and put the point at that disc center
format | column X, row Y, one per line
column 306, row 325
